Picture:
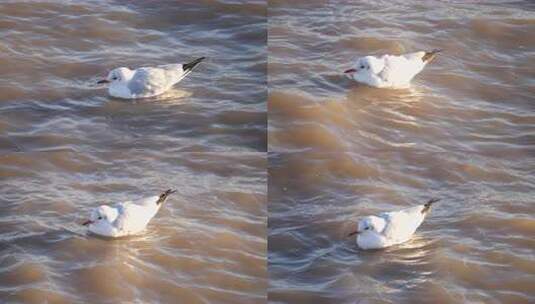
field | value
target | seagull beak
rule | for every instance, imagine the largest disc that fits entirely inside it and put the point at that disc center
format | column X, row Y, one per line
column 87, row 222
column 353, row 233
column 103, row 81
column 350, row 71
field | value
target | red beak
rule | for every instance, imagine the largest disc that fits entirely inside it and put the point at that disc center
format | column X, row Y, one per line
column 87, row 222
column 350, row 71
column 353, row 233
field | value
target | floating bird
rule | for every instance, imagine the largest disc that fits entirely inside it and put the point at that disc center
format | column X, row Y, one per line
column 147, row 81
column 390, row 71
column 390, row 228
column 127, row 218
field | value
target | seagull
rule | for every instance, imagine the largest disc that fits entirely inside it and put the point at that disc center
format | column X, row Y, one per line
column 126, row 218
column 146, row 81
column 390, row 228
column 390, row 71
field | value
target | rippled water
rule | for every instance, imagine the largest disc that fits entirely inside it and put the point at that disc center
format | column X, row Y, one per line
column 52, row 53
column 464, row 132
column 206, row 245
column 66, row 147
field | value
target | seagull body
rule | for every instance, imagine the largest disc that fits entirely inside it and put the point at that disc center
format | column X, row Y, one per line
column 146, row 81
column 126, row 218
column 390, row 228
column 390, row 71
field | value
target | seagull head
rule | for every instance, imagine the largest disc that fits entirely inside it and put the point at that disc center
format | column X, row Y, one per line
column 364, row 68
column 371, row 223
column 102, row 214
column 117, row 75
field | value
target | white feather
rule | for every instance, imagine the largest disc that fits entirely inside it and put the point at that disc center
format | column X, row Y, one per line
column 146, row 81
column 122, row 219
column 388, row 71
column 389, row 228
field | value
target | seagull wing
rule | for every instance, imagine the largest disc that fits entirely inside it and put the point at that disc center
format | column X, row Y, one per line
column 132, row 217
column 402, row 224
column 177, row 72
column 149, row 81
column 174, row 73
column 401, row 69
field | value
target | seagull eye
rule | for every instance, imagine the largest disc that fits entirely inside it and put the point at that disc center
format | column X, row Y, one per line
column 367, row 228
column 362, row 66
column 114, row 78
column 100, row 217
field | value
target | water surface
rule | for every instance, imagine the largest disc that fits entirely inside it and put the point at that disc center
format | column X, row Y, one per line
column 464, row 132
column 53, row 52
column 207, row 244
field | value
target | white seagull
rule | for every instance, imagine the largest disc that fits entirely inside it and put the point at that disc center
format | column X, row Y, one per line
column 390, row 228
column 146, row 81
column 126, row 218
column 390, row 71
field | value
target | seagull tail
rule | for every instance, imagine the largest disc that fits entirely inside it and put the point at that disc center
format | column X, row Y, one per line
column 164, row 196
column 188, row 67
column 427, row 205
column 429, row 56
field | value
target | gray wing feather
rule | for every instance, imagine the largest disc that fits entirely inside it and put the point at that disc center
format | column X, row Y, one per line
column 138, row 84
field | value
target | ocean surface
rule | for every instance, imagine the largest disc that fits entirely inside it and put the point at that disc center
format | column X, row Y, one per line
column 464, row 132
column 53, row 52
column 67, row 147
column 207, row 244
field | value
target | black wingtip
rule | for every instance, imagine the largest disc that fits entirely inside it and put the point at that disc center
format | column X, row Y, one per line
column 190, row 65
column 430, row 55
column 427, row 205
column 164, row 196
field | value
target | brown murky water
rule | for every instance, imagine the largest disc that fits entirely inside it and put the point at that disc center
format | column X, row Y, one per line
column 65, row 147
column 52, row 53
column 464, row 132
column 206, row 245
